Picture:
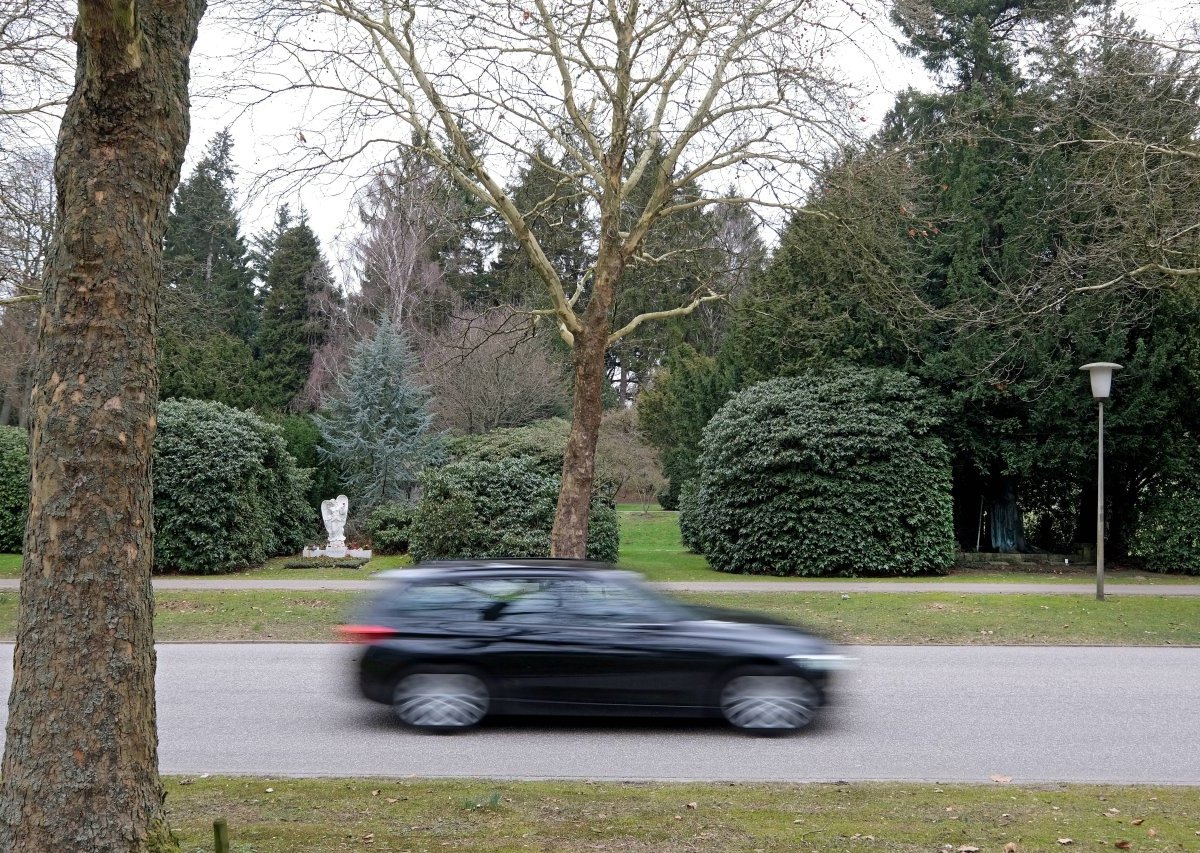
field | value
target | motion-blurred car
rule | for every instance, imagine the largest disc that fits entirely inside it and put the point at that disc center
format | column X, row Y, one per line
column 448, row 643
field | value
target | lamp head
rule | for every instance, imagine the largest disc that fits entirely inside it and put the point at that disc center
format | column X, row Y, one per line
column 1101, row 375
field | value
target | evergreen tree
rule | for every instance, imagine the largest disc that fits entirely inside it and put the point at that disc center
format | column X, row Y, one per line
column 552, row 206
column 209, row 310
column 377, row 430
column 297, row 307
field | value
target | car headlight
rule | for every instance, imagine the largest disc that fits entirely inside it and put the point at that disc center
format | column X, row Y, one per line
column 823, row 662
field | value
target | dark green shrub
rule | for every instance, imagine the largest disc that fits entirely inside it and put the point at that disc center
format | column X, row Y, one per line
column 304, row 442
column 227, row 493
column 390, row 528
column 14, row 488
column 543, row 441
column 668, row 497
column 691, row 528
column 837, row 473
column 1167, row 536
column 476, row 509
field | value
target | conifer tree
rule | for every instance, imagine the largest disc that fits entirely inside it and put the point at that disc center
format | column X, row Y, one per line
column 296, row 316
column 376, row 430
column 209, row 311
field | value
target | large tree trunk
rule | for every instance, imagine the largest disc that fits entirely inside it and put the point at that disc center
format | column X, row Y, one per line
column 80, row 768
column 569, row 536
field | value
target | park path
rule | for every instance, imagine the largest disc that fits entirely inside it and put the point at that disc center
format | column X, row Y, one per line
column 846, row 586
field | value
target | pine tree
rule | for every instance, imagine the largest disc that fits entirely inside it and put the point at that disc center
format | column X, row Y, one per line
column 204, row 256
column 209, row 310
column 377, row 430
column 295, row 321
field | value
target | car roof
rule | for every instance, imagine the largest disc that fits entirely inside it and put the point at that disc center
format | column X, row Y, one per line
column 483, row 568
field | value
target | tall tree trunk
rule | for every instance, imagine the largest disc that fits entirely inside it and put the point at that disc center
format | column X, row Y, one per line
column 80, row 767
column 569, row 536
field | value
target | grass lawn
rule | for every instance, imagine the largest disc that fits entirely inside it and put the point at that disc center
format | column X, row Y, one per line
column 650, row 544
column 284, row 815
column 859, row 618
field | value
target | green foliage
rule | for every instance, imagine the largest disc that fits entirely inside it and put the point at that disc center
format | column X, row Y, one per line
column 377, row 431
column 305, row 444
column 1167, row 538
column 227, row 494
column 480, row 509
column 673, row 412
column 827, row 474
column 14, row 487
column 293, row 324
column 691, row 521
column 390, row 527
column 544, row 442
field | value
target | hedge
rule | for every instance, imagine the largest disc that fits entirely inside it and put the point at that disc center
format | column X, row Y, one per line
column 227, row 494
column 830, row 474
column 14, row 488
column 476, row 509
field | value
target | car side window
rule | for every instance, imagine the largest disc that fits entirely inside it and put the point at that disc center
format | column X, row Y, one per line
column 594, row 601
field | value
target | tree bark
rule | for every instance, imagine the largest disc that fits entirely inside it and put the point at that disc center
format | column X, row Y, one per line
column 569, row 536
column 80, row 767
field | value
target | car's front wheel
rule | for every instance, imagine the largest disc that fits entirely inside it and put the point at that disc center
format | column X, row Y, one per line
column 442, row 700
column 766, row 701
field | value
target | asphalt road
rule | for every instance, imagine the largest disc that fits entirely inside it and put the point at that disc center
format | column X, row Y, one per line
column 911, row 713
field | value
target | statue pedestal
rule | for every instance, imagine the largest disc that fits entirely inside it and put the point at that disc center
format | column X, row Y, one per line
column 332, row 551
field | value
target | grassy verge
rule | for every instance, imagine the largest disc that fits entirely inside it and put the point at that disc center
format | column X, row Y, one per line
column 650, row 544
column 284, row 815
column 859, row 619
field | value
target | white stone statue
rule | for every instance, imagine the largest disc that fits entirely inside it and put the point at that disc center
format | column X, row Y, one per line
column 334, row 512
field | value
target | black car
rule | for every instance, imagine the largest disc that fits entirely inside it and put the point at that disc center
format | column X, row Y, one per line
column 448, row 643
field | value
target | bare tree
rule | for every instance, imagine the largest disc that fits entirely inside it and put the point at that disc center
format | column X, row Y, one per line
column 80, row 767
column 26, row 223
column 724, row 91
column 487, row 370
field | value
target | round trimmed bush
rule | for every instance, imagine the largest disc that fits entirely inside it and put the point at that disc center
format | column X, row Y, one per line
column 1167, row 537
column 836, row 473
column 227, row 493
column 479, row 509
column 14, row 488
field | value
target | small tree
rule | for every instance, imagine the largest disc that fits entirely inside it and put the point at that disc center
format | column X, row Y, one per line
column 836, row 473
column 377, row 431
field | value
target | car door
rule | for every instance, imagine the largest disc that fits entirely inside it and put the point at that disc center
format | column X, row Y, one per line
column 596, row 643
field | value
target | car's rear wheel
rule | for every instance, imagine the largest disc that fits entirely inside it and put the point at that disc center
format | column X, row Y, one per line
column 767, row 701
column 442, row 700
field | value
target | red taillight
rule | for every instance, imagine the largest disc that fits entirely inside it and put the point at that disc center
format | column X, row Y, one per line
column 365, row 633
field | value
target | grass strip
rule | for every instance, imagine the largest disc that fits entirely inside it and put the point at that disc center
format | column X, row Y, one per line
column 285, row 815
column 855, row 618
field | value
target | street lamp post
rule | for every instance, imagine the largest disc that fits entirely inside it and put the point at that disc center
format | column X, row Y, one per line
column 1100, row 373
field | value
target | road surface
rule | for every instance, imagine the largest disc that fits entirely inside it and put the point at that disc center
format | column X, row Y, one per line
column 1035, row 714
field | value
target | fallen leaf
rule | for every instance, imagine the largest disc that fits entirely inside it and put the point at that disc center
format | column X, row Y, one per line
column 1113, row 811
column 1123, row 844
column 692, row 805
column 1065, row 841
column 1152, row 832
column 187, row 781
column 1010, row 847
column 270, row 790
column 375, row 793
column 996, row 777
column 678, row 817
column 1137, row 821
column 391, row 799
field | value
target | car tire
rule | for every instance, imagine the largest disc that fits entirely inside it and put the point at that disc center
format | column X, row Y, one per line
column 766, row 701
column 441, row 699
